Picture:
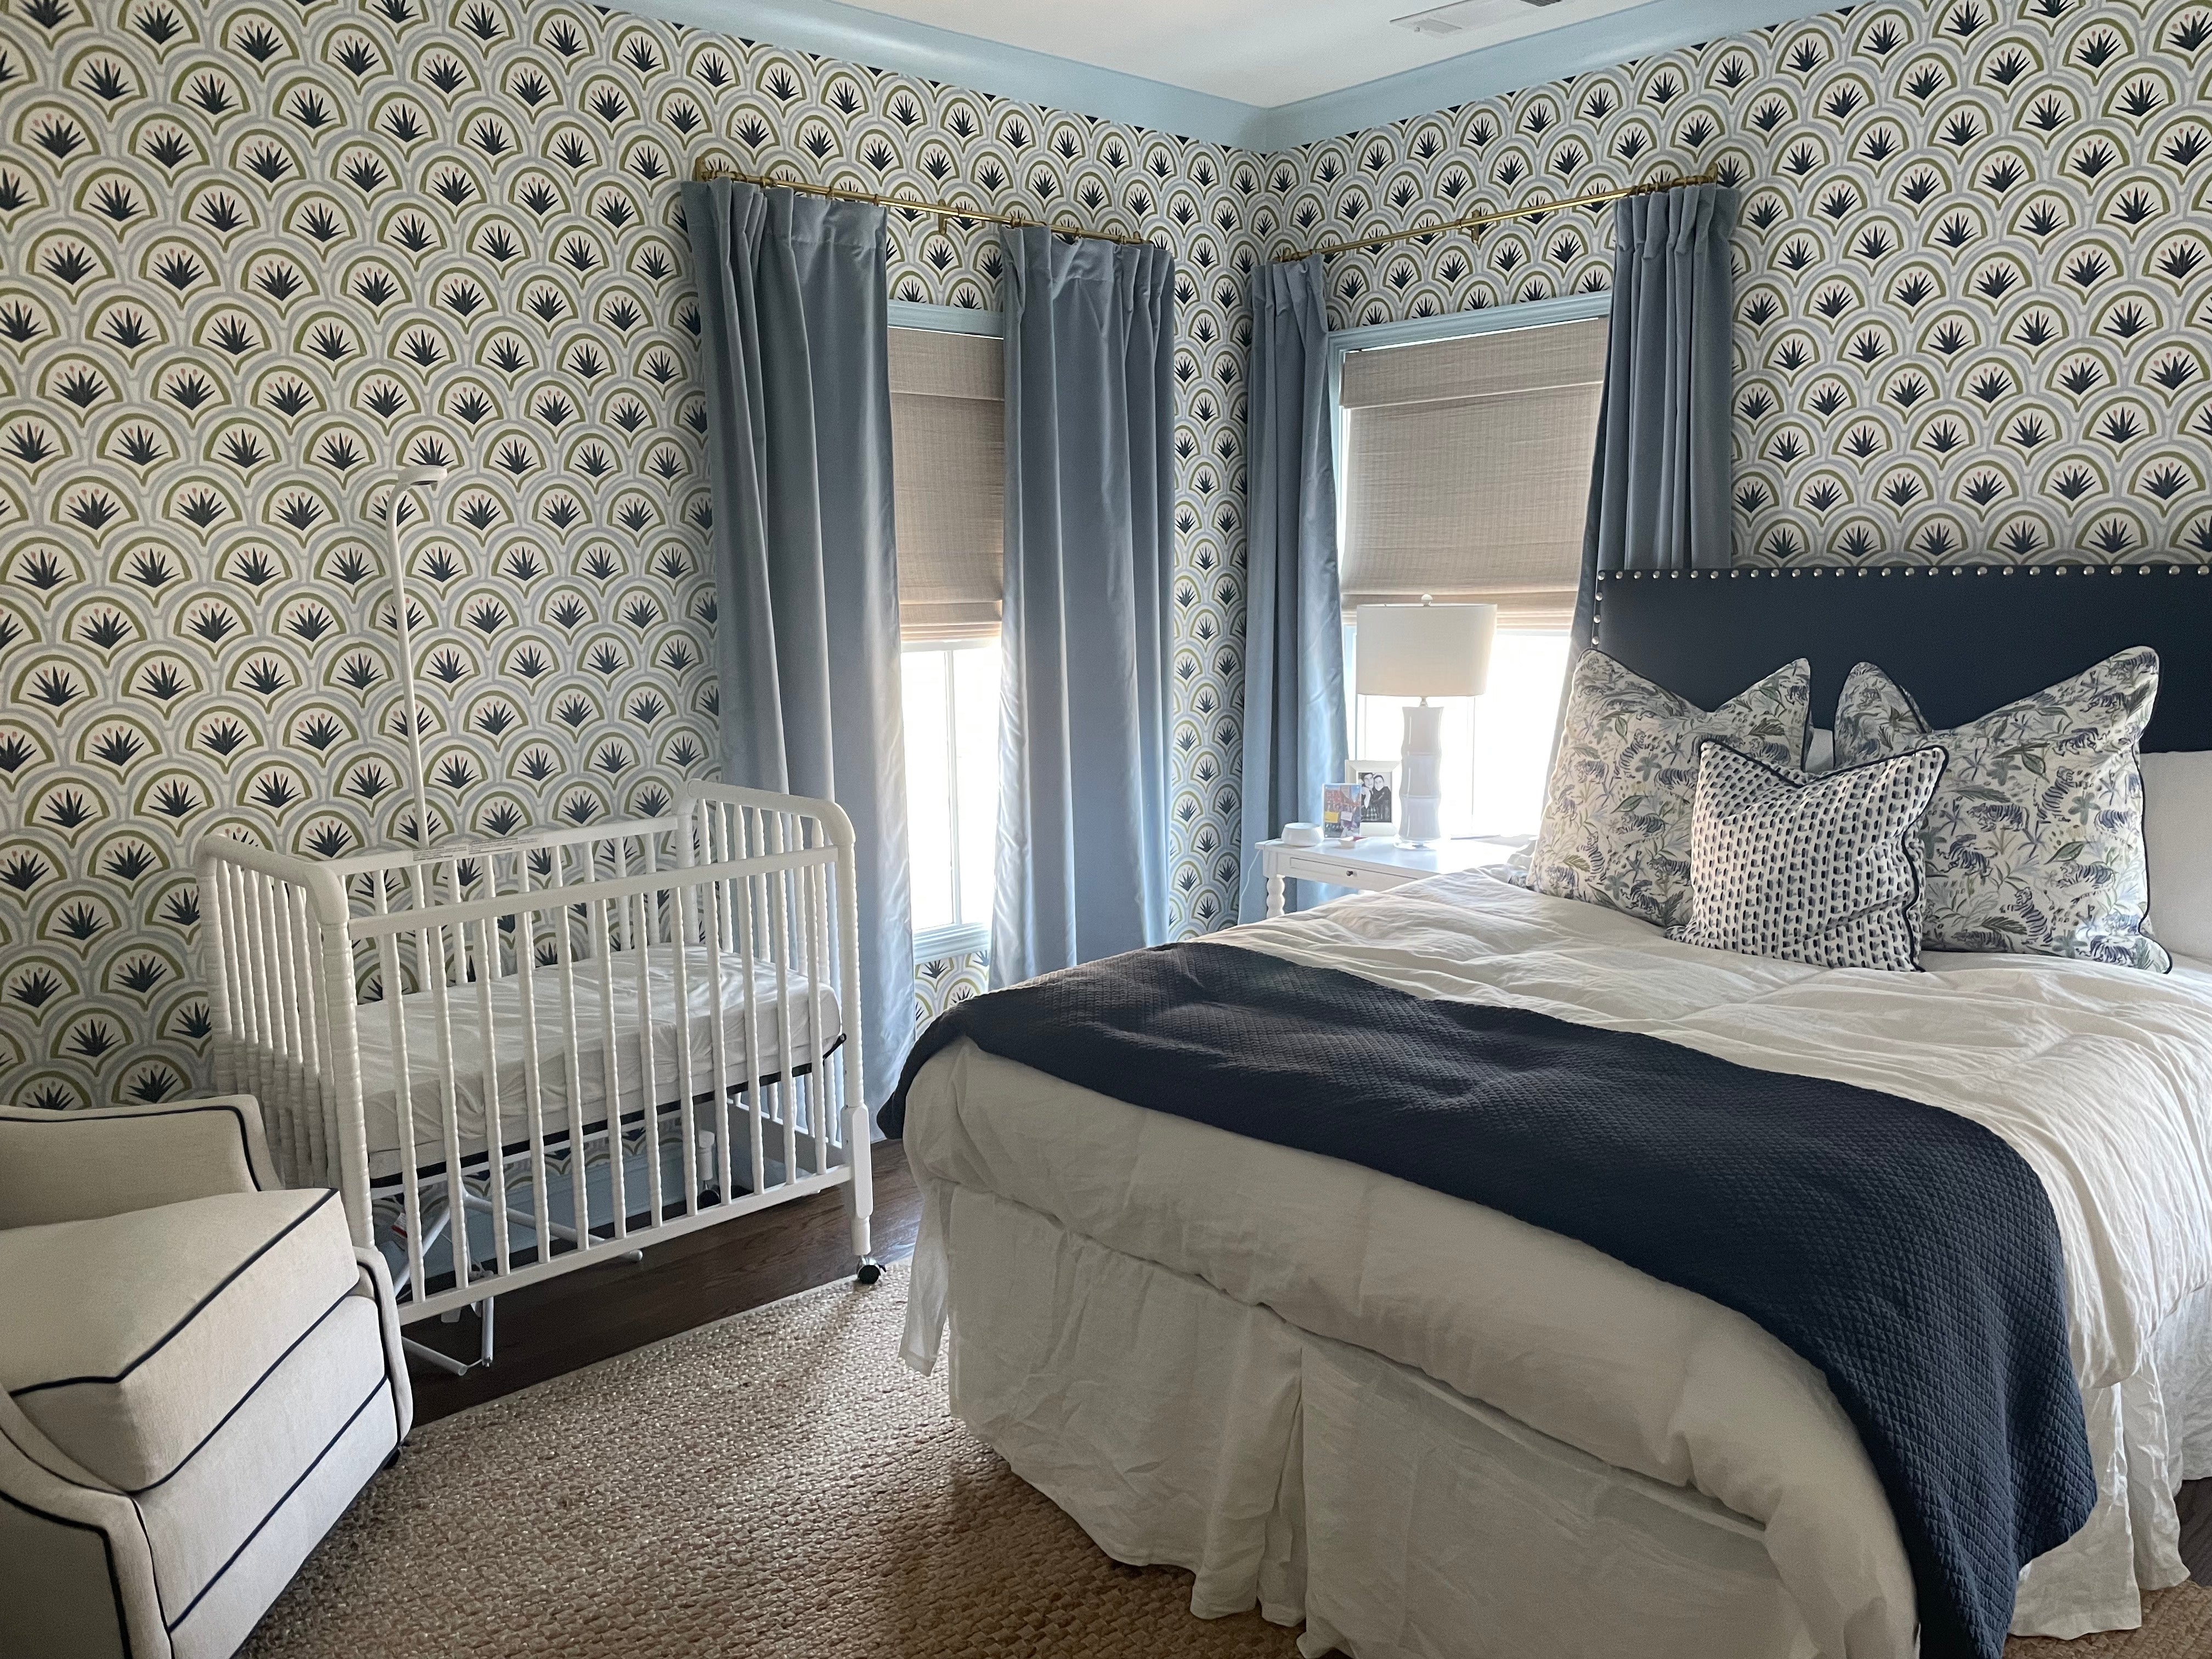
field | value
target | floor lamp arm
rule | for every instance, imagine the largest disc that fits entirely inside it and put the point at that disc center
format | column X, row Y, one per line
column 428, row 479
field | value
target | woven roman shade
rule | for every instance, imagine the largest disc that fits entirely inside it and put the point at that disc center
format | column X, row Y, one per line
column 1467, row 470
column 948, row 478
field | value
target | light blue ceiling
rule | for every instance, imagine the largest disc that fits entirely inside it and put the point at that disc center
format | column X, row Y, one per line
column 857, row 35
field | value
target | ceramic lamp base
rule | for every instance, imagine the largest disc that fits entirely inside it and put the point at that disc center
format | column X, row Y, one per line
column 1421, row 785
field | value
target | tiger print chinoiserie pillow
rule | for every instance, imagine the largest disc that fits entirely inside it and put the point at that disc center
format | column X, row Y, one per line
column 1616, row 826
column 2034, row 841
column 1824, row 870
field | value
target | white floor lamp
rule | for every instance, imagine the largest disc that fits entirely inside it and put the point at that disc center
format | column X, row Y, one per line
column 1425, row 650
column 428, row 480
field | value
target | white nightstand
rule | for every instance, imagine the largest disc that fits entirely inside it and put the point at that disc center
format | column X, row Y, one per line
column 1373, row 864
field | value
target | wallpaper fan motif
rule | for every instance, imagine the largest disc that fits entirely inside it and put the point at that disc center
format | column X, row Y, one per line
column 257, row 252
column 250, row 252
column 1973, row 271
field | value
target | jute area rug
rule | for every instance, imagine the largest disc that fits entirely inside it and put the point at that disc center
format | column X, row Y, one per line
column 775, row 1485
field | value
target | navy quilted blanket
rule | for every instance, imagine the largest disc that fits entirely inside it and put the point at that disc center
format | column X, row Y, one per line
column 1907, row 1252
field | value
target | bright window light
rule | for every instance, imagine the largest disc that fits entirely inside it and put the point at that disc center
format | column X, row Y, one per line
column 1495, row 745
column 951, row 707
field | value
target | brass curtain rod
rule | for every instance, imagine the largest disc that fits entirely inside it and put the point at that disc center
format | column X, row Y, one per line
column 710, row 167
column 1494, row 215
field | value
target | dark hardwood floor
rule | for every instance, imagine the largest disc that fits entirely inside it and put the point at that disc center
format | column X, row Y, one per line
column 579, row 1318
column 582, row 1317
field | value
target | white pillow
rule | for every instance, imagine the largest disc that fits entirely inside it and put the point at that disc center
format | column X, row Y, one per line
column 2178, row 838
column 1820, row 752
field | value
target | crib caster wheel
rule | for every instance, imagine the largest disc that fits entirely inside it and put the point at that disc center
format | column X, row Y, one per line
column 871, row 1270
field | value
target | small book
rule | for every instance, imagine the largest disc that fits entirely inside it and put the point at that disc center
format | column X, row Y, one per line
column 1342, row 805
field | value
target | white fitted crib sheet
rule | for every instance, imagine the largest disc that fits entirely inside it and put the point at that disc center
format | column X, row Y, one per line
column 785, row 1047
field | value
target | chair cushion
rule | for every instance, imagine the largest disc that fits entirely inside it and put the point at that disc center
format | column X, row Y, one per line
column 132, row 1337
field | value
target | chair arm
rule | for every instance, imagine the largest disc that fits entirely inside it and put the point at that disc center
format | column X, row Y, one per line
column 77, row 1570
column 376, row 1281
column 73, row 1166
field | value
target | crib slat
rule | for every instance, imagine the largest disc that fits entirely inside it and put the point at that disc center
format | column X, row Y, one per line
column 257, row 1015
column 285, row 1014
column 495, row 1114
column 787, row 1088
column 839, row 948
column 270, row 920
column 403, row 1087
column 267, row 1039
column 678, row 917
column 603, row 935
column 215, row 969
column 227, row 887
column 815, row 887
column 721, row 1006
column 756, row 1089
column 311, row 1077
column 219, row 880
column 436, row 967
column 305, row 1085
column 639, row 934
column 533, row 1076
column 564, row 956
column 306, row 1130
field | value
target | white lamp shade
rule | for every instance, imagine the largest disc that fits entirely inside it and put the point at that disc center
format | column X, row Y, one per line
column 1424, row 650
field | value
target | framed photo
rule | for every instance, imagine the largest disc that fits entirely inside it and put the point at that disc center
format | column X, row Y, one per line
column 1379, row 807
column 1342, row 810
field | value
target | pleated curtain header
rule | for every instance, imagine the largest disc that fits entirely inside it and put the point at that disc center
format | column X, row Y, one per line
column 948, row 441
column 1467, row 470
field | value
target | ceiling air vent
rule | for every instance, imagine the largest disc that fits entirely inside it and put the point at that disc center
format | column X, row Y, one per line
column 1465, row 15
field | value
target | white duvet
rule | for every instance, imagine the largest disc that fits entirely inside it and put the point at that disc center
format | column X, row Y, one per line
column 2101, row 1078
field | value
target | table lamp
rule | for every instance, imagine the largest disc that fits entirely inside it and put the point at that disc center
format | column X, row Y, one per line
column 1425, row 650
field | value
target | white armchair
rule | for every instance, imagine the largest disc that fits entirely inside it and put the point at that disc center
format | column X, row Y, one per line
column 198, row 1373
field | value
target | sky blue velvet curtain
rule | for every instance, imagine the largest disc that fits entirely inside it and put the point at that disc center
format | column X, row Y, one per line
column 1659, row 494
column 1294, row 712
column 793, row 314
column 1083, row 808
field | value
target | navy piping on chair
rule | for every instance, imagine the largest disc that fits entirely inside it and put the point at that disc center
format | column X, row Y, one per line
column 320, row 1320
column 382, row 1383
column 197, row 1308
column 237, row 1115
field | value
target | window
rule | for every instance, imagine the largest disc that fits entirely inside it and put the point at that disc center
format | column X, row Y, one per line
column 948, row 478
column 1495, row 745
column 951, row 690
column 1465, row 465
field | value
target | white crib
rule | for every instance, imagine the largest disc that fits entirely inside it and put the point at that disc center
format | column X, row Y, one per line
column 514, row 1058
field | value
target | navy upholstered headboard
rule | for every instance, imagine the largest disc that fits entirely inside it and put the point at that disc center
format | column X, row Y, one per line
column 1963, row 639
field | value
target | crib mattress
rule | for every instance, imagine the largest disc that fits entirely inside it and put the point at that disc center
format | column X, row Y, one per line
column 784, row 1046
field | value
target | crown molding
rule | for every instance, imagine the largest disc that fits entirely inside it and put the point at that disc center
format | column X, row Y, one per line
column 857, row 35
column 1598, row 43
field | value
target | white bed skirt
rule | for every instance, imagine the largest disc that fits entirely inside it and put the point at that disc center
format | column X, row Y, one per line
column 1391, row 1515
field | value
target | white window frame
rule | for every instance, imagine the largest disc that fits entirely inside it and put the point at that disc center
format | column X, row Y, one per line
column 961, row 939
column 1426, row 331
column 1341, row 342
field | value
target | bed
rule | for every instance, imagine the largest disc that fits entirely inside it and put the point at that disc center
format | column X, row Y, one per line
column 1421, row 1426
